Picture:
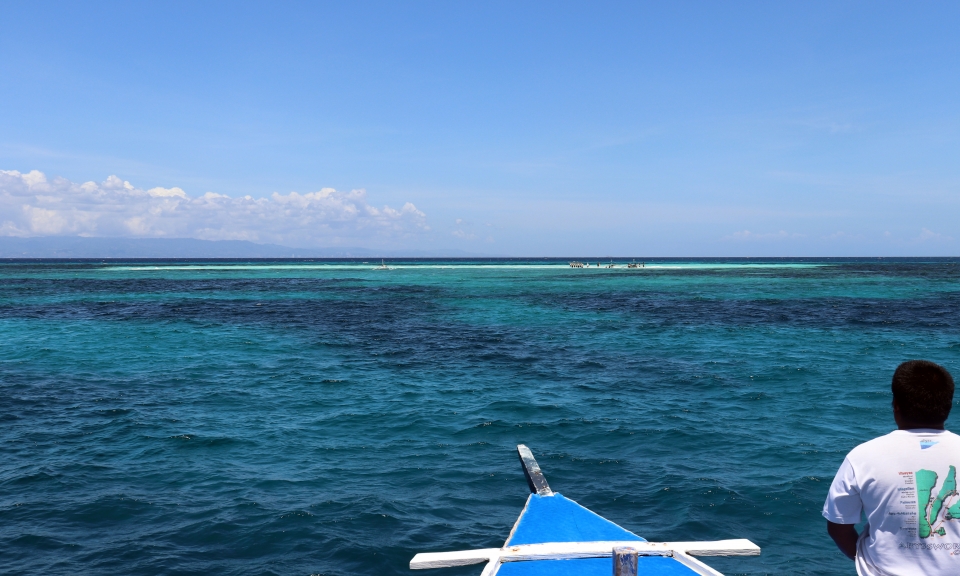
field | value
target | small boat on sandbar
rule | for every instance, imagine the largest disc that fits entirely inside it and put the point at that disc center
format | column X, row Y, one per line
column 383, row 266
column 576, row 264
column 556, row 536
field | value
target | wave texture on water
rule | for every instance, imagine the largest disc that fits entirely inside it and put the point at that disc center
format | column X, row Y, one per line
column 325, row 418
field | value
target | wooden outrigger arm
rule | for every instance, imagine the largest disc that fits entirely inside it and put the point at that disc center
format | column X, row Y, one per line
column 573, row 550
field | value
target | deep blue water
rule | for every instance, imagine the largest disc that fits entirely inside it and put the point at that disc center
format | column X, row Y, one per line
column 306, row 417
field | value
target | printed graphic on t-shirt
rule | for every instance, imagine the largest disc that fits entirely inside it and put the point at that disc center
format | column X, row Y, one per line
column 934, row 512
column 907, row 486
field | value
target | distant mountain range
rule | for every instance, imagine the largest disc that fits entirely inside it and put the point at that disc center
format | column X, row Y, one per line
column 77, row 247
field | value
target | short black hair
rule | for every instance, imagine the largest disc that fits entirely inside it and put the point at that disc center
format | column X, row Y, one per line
column 923, row 391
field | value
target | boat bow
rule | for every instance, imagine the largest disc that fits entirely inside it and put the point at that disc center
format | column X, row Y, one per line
column 554, row 535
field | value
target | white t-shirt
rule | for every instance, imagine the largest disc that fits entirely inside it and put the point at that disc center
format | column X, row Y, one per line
column 906, row 485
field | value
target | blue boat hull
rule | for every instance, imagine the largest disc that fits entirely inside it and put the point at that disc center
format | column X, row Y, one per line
column 558, row 519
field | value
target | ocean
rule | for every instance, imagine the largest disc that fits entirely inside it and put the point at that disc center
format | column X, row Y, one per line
column 298, row 417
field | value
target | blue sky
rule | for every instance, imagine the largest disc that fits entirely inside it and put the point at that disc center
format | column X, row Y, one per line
column 671, row 128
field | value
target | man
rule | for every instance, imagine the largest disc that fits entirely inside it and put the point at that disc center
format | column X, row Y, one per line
column 905, row 483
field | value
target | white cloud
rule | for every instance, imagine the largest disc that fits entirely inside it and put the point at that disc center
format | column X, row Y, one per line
column 748, row 235
column 463, row 235
column 841, row 235
column 927, row 235
column 464, row 230
column 44, row 221
column 165, row 192
column 32, row 205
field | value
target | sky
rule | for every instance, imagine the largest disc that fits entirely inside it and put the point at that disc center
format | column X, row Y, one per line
column 501, row 128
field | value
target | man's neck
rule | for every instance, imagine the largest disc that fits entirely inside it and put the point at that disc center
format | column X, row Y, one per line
column 917, row 426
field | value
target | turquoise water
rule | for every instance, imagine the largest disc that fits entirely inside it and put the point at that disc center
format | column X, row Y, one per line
column 302, row 417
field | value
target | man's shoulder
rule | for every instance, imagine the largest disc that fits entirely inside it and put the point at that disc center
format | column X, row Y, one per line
column 883, row 445
column 877, row 444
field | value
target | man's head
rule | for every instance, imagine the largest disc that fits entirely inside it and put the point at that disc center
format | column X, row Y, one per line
column 922, row 393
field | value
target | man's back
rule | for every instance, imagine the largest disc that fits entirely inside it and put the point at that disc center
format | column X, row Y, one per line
column 906, row 485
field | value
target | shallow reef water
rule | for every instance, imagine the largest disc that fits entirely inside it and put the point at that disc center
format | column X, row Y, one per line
column 304, row 417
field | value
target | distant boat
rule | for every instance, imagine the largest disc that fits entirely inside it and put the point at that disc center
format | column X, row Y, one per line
column 383, row 266
column 576, row 264
column 554, row 535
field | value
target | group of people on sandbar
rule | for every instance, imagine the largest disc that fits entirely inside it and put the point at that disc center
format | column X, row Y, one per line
column 578, row 264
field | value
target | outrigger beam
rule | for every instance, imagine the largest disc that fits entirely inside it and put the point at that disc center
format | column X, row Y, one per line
column 574, row 550
column 535, row 480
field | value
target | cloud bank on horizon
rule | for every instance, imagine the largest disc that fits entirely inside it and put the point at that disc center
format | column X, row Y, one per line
column 33, row 205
